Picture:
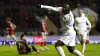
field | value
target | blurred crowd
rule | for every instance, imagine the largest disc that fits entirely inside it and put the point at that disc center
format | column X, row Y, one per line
column 19, row 17
column 23, row 13
column 27, row 17
column 49, row 2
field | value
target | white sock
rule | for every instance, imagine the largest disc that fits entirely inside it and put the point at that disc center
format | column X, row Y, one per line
column 45, row 46
column 77, row 53
column 83, row 47
column 41, row 48
column 60, row 51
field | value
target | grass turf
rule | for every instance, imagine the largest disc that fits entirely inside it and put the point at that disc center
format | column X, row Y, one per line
column 91, row 50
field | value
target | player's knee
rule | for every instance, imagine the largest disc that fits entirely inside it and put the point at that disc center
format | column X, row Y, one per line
column 71, row 49
column 58, row 43
column 82, row 42
column 6, row 40
column 15, row 40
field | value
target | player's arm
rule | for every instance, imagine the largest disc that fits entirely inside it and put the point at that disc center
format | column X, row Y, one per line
column 75, row 25
column 88, row 24
column 44, row 29
column 51, row 8
column 12, row 26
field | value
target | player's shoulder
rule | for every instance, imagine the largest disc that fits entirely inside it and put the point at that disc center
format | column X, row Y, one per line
column 12, row 24
column 85, row 17
column 43, row 21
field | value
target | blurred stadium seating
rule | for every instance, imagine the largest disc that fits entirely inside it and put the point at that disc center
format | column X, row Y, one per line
column 23, row 12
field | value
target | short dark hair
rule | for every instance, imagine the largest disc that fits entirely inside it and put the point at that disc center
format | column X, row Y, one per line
column 67, row 6
column 22, row 36
column 8, row 19
column 66, row 9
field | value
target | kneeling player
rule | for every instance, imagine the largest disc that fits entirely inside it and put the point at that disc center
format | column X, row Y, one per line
column 23, row 48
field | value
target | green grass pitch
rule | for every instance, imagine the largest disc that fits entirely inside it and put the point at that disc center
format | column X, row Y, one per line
column 91, row 50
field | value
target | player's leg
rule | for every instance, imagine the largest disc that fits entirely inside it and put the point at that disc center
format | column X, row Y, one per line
column 59, row 48
column 64, row 40
column 71, row 48
column 7, row 38
column 45, row 45
column 44, row 39
column 42, row 42
column 80, row 38
column 84, row 36
column 14, row 37
column 87, row 41
column 34, row 49
column 74, row 51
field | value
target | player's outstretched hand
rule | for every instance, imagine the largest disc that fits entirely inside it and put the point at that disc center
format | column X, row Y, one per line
column 38, row 6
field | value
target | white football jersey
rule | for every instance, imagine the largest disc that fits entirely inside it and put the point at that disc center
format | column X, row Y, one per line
column 81, row 23
column 67, row 21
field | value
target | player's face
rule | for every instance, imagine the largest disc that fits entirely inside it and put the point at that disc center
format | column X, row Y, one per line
column 80, row 12
column 8, row 22
column 24, row 37
column 45, row 18
column 65, row 10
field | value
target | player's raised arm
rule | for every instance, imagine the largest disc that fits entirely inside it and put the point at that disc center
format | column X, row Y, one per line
column 51, row 8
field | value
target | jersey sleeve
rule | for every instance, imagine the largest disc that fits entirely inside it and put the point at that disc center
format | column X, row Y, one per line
column 51, row 8
column 42, row 22
column 75, row 24
column 88, row 22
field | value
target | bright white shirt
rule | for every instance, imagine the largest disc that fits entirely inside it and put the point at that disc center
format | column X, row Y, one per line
column 51, row 8
column 68, row 24
column 82, row 23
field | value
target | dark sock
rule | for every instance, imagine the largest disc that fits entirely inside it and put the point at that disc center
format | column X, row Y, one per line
column 44, row 43
column 34, row 49
column 8, row 43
